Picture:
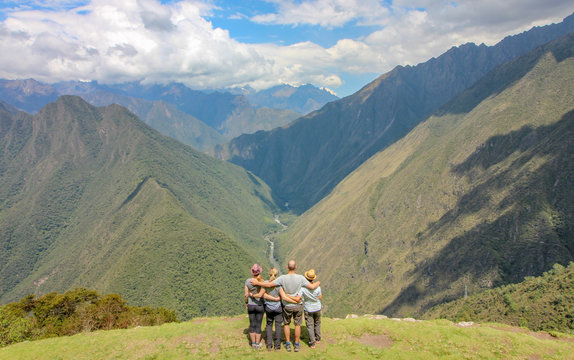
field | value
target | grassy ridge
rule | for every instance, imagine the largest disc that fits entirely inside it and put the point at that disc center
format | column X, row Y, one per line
column 361, row 338
column 541, row 303
column 479, row 195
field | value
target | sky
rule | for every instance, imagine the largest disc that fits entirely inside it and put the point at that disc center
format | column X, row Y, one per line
column 217, row 44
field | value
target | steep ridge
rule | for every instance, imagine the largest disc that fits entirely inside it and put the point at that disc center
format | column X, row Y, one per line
column 302, row 162
column 478, row 195
column 94, row 197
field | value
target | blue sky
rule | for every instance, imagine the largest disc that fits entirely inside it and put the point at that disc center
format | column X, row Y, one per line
column 214, row 44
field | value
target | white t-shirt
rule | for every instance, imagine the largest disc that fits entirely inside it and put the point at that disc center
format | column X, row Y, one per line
column 311, row 301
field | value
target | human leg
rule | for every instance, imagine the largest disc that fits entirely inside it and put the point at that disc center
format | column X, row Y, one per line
column 259, row 311
column 278, row 326
column 269, row 315
column 310, row 321
column 297, row 320
column 317, row 321
column 287, row 315
column 252, row 320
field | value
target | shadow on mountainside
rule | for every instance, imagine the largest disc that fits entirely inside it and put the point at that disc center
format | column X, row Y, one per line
column 534, row 228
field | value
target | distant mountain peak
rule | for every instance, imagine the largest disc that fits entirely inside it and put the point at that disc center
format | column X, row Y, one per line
column 301, row 98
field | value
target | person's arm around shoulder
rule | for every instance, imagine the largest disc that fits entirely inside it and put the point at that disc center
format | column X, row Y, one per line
column 260, row 294
column 271, row 284
column 268, row 296
column 313, row 285
column 284, row 296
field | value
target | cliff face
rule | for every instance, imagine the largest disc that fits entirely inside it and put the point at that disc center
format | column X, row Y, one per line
column 302, row 162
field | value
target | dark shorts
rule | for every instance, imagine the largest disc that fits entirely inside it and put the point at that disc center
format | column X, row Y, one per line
column 295, row 312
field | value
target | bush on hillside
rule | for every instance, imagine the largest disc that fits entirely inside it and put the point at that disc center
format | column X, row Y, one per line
column 538, row 303
column 75, row 311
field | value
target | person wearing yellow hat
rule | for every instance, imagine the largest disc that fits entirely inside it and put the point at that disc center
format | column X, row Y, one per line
column 312, row 309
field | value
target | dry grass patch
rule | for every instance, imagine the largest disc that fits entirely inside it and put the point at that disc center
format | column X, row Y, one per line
column 381, row 341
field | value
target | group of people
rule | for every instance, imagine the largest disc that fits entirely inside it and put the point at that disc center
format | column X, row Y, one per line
column 283, row 299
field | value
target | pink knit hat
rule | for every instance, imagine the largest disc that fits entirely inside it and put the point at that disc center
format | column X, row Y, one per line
column 256, row 269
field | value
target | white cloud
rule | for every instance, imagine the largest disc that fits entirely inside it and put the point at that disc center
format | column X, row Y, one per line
column 113, row 41
column 326, row 13
column 421, row 29
column 116, row 41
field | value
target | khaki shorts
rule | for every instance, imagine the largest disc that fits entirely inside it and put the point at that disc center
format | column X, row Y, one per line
column 295, row 312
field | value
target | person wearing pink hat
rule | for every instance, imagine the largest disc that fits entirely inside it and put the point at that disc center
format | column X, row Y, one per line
column 255, row 306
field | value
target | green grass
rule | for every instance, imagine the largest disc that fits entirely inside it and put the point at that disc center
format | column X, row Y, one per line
column 360, row 338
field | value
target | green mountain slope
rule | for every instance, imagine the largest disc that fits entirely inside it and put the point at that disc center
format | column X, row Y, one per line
column 478, row 195
column 360, row 338
column 540, row 303
column 93, row 197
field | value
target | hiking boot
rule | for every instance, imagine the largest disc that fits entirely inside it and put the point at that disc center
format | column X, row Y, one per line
column 297, row 346
column 288, row 346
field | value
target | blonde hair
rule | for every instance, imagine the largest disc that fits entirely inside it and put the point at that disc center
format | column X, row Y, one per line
column 273, row 272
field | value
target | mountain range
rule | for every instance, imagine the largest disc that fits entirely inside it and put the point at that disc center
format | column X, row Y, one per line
column 197, row 118
column 304, row 160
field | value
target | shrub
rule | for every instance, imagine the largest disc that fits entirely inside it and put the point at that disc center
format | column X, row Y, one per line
column 75, row 311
